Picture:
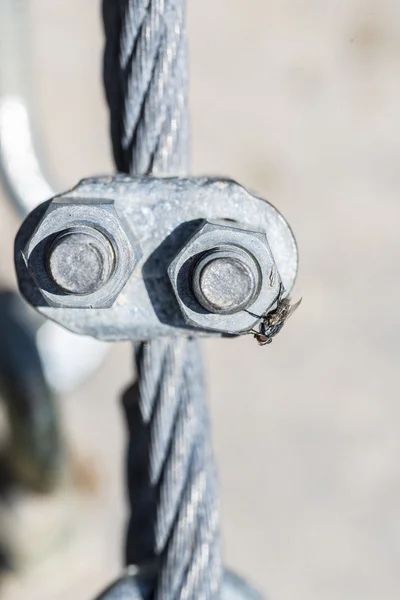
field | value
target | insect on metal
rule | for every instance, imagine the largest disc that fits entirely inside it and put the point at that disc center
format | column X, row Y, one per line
column 272, row 323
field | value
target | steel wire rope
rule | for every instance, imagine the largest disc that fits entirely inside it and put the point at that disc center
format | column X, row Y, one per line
column 174, row 510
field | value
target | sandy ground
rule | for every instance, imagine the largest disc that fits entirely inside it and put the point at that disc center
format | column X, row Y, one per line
column 299, row 100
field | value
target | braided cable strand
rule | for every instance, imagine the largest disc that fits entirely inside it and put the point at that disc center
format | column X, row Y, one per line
column 171, row 477
column 145, row 74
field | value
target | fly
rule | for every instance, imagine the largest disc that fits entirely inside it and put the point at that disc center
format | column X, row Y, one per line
column 272, row 323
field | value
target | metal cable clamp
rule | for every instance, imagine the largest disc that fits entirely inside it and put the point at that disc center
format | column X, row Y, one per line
column 155, row 257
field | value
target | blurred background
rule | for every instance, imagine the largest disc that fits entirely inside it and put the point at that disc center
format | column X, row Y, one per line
column 299, row 101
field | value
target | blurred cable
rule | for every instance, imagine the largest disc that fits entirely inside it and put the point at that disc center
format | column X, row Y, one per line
column 35, row 453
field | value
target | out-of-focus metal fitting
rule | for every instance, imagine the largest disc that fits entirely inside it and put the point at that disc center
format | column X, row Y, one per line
column 81, row 254
column 66, row 359
column 223, row 276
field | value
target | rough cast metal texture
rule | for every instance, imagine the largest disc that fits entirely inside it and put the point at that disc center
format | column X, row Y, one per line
column 212, row 235
column 162, row 215
column 139, row 587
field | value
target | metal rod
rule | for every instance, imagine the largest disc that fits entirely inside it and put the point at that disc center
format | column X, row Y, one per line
column 67, row 359
column 20, row 166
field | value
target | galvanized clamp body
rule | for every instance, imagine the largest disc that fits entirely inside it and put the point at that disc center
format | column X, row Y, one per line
column 154, row 257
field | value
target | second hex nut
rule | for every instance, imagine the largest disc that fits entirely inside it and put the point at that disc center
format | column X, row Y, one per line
column 225, row 292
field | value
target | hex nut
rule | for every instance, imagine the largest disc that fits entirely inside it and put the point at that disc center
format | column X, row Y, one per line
column 96, row 235
column 208, row 240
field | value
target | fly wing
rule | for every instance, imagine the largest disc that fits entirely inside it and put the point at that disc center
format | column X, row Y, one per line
column 293, row 307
